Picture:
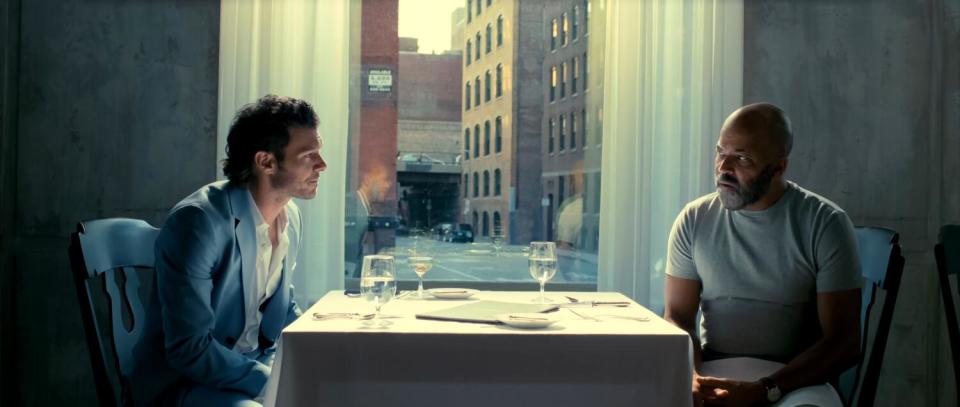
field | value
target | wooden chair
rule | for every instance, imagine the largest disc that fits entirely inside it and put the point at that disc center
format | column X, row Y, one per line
column 947, row 253
column 112, row 264
column 882, row 268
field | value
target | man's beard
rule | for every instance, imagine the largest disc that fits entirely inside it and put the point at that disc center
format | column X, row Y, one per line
column 744, row 195
column 286, row 182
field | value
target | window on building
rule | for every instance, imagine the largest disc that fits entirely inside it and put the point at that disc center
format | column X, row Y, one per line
column 476, row 141
column 469, row 52
column 586, row 125
column 466, row 144
column 476, row 91
column 466, row 98
column 563, row 133
column 564, row 29
column 486, row 137
column 499, row 31
column 475, row 217
column 499, row 80
column 563, row 80
column 486, row 183
column 576, row 22
column 586, row 69
column 470, row 10
column 497, row 223
column 573, row 130
column 479, row 8
column 586, row 16
column 553, row 83
column 576, row 75
column 498, row 135
column 486, row 224
column 476, row 184
column 551, row 129
column 489, row 38
column 489, row 2
column 496, row 182
column 466, row 185
column 554, row 32
column 476, row 55
column 560, row 184
column 486, row 86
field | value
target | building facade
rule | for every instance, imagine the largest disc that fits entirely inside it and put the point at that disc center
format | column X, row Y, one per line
column 502, row 112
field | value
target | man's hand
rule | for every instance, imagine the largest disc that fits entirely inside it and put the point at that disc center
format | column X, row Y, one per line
column 715, row 391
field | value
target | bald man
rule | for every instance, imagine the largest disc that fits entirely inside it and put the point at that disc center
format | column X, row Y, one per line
column 772, row 267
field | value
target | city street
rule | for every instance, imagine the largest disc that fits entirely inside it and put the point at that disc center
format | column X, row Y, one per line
column 479, row 262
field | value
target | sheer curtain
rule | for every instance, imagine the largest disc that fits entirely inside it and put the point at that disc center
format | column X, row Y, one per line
column 673, row 71
column 296, row 48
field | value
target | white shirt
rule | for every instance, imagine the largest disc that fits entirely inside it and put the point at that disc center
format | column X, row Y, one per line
column 269, row 262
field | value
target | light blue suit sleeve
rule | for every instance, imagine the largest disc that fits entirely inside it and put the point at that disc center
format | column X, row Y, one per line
column 296, row 220
column 188, row 251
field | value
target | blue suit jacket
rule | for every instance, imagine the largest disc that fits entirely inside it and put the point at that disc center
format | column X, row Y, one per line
column 205, row 269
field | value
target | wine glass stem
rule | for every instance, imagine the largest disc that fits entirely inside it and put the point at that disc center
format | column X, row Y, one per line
column 542, row 298
column 420, row 288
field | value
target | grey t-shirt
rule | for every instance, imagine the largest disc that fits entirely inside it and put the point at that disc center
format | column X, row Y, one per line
column 761, row 270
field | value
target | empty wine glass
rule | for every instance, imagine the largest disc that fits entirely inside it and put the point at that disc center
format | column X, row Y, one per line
column 543, row 265
column 378, row 282
column 420, row 265
column 496, row 239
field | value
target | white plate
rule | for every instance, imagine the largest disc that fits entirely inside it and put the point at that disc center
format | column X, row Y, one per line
column 527, row 320
column 452, row 293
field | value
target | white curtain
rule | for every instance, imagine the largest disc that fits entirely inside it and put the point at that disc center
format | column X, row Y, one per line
column 297, row 48
column 673, row 70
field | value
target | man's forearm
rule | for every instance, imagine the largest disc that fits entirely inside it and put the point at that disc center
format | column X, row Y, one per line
column 824, row 360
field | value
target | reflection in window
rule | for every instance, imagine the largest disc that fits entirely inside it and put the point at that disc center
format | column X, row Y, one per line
column 550, row 132
column 553, row 34
column 563, row 80
column 486, row 224
column 576, row 75
column 489, row 38
column 498, row 135
column 576, row 23
column 563, row 138
column 496, row 182
column 486, row 183
column 476, row 184
column 486, row 86
column 553, row 83
column 573, row 130
column 486, row 137
column 476, row 141
column 499, row 80
column 563, row 30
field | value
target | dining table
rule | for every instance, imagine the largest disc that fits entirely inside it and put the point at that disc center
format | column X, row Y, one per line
column 601, row 349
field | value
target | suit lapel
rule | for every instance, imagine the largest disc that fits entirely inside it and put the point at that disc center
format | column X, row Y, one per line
column 246, row 233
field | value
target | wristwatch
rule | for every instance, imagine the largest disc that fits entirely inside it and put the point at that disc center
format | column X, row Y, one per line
column 773, row 391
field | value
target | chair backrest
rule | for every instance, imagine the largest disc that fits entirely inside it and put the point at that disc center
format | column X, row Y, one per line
column 947, row 253
column 101, row 253
column 881, row 265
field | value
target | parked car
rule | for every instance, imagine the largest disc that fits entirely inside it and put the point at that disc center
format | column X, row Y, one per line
column 419, row 158
column 462, row 233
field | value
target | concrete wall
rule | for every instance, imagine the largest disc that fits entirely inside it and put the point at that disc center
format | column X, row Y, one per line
column 873, row 89
column 116, row 116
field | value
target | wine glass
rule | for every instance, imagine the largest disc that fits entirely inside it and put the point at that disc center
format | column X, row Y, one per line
column 496, row 239
column 378, row 282
column 420, row 265
column 543, row 265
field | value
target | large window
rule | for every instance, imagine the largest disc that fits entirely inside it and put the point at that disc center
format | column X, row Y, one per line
column 508, row 162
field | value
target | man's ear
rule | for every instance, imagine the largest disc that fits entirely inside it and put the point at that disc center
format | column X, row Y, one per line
column 265, row 162
column 782, row 166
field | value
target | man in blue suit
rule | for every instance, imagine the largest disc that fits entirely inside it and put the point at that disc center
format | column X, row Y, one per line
column 225, row 259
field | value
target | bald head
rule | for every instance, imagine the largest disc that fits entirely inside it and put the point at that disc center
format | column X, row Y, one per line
column 764, row 121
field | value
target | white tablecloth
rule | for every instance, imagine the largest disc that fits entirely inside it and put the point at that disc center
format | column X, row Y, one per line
column 616, row 361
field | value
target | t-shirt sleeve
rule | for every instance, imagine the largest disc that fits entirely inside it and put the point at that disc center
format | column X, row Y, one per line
column 680, row 247
column 838, row 262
